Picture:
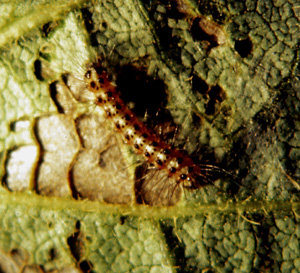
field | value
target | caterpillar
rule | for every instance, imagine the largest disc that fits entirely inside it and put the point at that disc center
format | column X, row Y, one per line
column 179, row 169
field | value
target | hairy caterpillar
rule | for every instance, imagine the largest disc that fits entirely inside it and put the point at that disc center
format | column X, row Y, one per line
column 171, row 167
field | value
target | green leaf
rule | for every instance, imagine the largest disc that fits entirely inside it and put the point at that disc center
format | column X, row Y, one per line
column 229, row 71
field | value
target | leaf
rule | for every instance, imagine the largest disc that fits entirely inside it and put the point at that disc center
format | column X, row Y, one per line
column 231, row 73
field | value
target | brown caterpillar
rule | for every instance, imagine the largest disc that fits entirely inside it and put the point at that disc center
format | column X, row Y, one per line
column 177, row 163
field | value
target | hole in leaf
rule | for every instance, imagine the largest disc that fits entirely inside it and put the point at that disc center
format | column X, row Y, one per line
column 122, row 220
column 243, row 47
column 53, row 95
column 86, row 266
column 87, row 16
column 49, row 27
column 53, row 254
column 76, row 243
column 216, row 95
column 38, row 70
column 199, row 85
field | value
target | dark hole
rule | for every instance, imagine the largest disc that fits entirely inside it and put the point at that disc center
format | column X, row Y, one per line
column 65, row 78
column 199, row 85
column 196, row 119
column 210, row 108
column 92, row 84
column 12, row 126
column 48, row 27
column 38, row 70
column 243, row 47
column 147, row 94
column 94, row 38
column 75, row 193
column 104, row 25
column 53, row 95
column 86, row 266
column 75, row 243
column 216, row 95
column 53, row 254
column 178, row 249
column 77, row 226
column 87, row 16
column 122, row 220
